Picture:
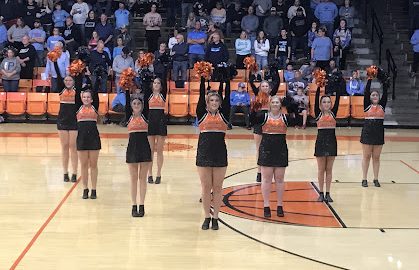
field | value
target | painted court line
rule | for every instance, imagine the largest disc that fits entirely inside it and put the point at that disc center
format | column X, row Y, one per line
column 410, row 166
column 42, row 228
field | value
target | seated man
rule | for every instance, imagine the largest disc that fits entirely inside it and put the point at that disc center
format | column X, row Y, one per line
column 240, row 101
column 295, row 83
column 355, row 87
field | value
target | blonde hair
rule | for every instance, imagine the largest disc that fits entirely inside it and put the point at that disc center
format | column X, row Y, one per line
column 212, row 94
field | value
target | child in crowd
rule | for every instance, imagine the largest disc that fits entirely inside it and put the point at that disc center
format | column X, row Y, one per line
column 337, row 50
column 283, row 49
column 302, row 100
column 289, row 73
column 355, row 86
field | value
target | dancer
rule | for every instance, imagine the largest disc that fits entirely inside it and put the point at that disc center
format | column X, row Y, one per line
column 326, row 144
column 262, row 93
column 67, row 128
column 372, row 136
column 273, row 151
column 157, row 126
column 211, row 159
column 88, row 140
column 138, row 156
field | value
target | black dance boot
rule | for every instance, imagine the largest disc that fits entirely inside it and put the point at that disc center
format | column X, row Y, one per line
column 279, row 211
column 150, row 180
column 376, row 183
column 259, row 177
column 365, row 183
column 158, row 180
column 134, row 212
column 93, row 195
column 66, row 178
column 321, row 197
column 205, row 225
column 74, row 178
column 85, row 193
column 141, row 211
column 328, row 198
column 267, row 212
column 214, row 224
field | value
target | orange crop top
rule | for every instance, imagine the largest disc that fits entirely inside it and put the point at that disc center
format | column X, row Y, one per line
column 326, row 121
column 68, row 96
column 275, row 125
column 137, row 124
column 374, row 112
column 213, row 123
column 87, row 113
column 156, row 102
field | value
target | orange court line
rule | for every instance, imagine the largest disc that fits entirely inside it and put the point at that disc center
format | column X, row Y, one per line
column 410, row 167
column 42, row 228
column 195, row 136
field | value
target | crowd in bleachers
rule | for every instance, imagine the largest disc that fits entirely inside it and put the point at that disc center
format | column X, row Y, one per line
column 294, row 36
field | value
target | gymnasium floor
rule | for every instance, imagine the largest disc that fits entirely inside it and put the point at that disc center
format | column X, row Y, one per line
column 46, row 225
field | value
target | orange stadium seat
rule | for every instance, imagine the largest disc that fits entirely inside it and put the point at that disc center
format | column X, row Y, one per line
column 25, row 85
column 53, row 104
column 16, row 103
column 193, row 77
column 36, row 104
column 241, row 76
column 344, row 110
column 194, row 87
column 214, row 86
column 312, row 88
column 282, row 90
column 234, row 85
column 103, row 103
column 178, row 105
column 173, row 89
column 41, row 84
column 2, row 102
column 111, row 98
column 38, row 71
column 312, row 100
column 193, row 101
column 357, row 107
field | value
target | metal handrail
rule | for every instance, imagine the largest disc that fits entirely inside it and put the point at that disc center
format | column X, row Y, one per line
column 377, row 30
column 392, row 68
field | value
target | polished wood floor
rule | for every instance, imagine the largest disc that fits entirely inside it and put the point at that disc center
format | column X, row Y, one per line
column 46, row 225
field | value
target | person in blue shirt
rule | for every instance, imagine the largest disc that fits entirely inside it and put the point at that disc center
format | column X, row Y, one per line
column 327, row 11
column 57, row 71
column 105, row 31
column 289, row 73
column 196, row 41
column 118, row 49
column 322, row 49
column 3, row 35
column 122, row 16
column 415, row 43
column 54, row 38
column 355, row 87
column 37, row 39
column 240, row 101
column 58, row 16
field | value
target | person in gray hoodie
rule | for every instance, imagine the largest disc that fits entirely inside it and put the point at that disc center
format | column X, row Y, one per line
column 272, row 26
column 10, row 71
column 120, row 63
column 250, row 24
column 262, row 8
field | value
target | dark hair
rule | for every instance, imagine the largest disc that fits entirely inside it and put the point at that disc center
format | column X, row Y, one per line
column 125, row 50
column 87, row 91
column 346, row 23
column 70, row 17
column 323, row 29
column 323, row 97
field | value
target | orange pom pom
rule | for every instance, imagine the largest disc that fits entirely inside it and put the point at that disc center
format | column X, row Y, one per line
column 203, row 69
column 250, row 64
column 127, row 79
column 146, row 61
column 372, row 72
column 76, row 67
column 320, row 77
column 262, row 98
column 55, row 54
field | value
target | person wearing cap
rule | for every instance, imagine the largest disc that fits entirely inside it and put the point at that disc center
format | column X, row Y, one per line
column 240, row 101
column 59, row 16
column 122, row 16
column 292, row 11
column 120, row 63
column 272, row 26
column 37, row 39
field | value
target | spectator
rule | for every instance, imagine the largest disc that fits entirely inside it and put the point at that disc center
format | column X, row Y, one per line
column 299, row 27
column 161, row 62
column 243, row 49
column 292, row 11
column 105, row 31
column 26, row 57
column 126, row 38
column 289, row 74
column 190, row 23
column 203, row 18
column 10, row 71
column 355, row 87
column 295, row 83
column 93, row 41
column 336, row 82
column 337, row 50
column 322, row 49
column 414, row 40
column 58, row 16
column 89, row 26
column 152, row 22
column 31, row 10
column 216, row 51
column 219, row 15
column 3, row 35
column 314, row 3
column 45, row 15
column 250, row 24
column 240, row 101
column 261, row 50
column 196, row 41
column 122, row 16
column 180, row 58
column 213, row 29
column 139, row 80
column 326, row 12
column 72, row 36
column 187, row 7
column 262, row 8
column 99, row 66
column 173, row 38
column 283, row 50
column 52, row 40
column 120, row 63
column 37, row 39
column 311, row 36
column 104, row 6
column 10, row 10
column 118, row 49
column 345, row 41
column 307, row 71
column 79, row 12
column 282, row 11
column 272, row 26
column 302, row 102
column 17, row 32
column 61, row 66
column 347, row 12
column 235, row 15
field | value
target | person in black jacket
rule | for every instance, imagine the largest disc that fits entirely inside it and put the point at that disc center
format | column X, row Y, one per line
column 27, row 56
column 31, row 9
column 99, row 66
column 216, row 51
column 72, row 36
column 161, row 62
column 180, row 58
column 299, row 27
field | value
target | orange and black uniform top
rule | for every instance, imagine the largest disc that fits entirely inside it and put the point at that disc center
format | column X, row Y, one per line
column 326, row 121
column 275, row 86
column 66, row 119
column 277, row 125
column 372, row 111
column 136, row 123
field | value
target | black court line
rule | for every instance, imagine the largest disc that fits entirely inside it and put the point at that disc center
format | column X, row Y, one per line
column 280, row 249
column 294, row 213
